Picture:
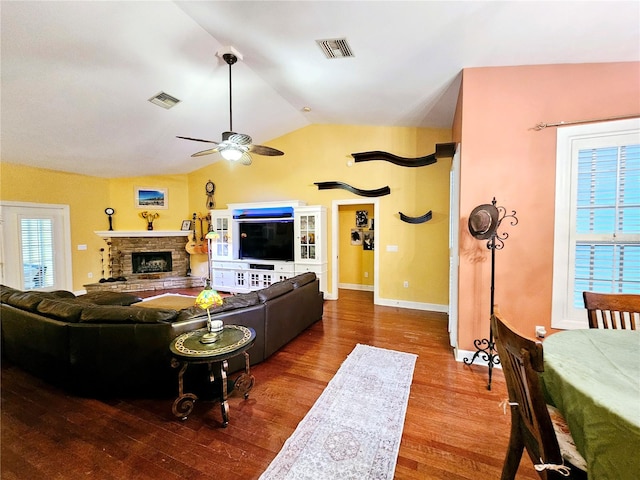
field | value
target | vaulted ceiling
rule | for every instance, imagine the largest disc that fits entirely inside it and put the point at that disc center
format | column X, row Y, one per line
column 77, row 75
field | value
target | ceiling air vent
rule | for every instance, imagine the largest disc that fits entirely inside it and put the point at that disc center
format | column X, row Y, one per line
column 335, row 48
column 164, row 100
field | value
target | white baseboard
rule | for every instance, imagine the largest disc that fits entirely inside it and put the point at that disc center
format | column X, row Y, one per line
column 431, row 307
column 79, row 292
column 461, row 355
column 356, row 286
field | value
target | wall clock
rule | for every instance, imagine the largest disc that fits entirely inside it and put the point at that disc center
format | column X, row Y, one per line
column 210, row 188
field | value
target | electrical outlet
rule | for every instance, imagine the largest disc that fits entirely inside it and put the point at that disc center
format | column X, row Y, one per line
column 541, row 332
column 90, row 275
column 366, row 274
column 406, row 284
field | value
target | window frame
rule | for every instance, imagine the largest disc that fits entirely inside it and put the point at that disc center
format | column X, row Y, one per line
column 563, row 314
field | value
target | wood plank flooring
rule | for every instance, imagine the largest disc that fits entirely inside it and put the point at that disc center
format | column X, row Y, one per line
column 455, row 428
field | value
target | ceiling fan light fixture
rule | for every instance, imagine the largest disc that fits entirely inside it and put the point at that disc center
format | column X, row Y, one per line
column 232, row 154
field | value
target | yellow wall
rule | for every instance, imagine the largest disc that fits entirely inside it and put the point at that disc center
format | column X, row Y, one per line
column 312, row 154
column 127, row 216
column 87, row 198
column 320, row 153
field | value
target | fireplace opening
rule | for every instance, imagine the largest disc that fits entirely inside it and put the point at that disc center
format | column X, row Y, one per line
column 151, row 262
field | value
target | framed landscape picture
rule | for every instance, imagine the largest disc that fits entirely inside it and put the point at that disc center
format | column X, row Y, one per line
column 151, row 197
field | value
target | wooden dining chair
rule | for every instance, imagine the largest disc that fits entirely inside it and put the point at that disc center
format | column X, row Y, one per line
column 612, row 310
column 548, row 443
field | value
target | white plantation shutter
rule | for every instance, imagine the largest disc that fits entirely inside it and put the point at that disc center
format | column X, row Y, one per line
column 597, row 225
column 607, row 249
column 36, row 243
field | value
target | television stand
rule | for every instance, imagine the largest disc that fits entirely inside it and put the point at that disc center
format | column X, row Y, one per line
column 241, row 276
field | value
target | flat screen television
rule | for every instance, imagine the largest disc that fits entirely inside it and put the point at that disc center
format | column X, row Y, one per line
column 267, row 240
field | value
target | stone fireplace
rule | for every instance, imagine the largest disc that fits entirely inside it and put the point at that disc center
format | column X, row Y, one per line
column 148, row 260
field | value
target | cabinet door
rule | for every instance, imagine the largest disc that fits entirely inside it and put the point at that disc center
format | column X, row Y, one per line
column 310, row 226
column 220, row 245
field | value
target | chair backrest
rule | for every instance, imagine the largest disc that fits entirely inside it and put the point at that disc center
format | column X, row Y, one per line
column 612, row 310
column 531, row 426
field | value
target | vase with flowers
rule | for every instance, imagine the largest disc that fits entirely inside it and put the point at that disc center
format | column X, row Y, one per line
column 149, row 217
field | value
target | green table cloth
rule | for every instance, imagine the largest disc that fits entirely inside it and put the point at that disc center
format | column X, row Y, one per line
column 593, row 378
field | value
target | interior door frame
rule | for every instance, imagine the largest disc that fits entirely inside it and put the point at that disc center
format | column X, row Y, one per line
column 454, row 247
column 335, row 244
column 10, row 240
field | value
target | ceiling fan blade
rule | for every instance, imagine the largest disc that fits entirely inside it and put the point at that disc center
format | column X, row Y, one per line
column 205, row 152
column 245, row 159
column 197, row 139
column 262, row 150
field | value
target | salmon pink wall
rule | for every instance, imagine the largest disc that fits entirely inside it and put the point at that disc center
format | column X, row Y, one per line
column 503, row 156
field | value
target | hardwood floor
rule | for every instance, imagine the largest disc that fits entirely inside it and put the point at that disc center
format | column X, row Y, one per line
column 454, row 429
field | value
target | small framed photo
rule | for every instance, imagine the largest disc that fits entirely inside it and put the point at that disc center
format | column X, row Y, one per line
column 362, row 218
column 151, row 197
column 367, row 240
column 186, row 225
column 356, row 236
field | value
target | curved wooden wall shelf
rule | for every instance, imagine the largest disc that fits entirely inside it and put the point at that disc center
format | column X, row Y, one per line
column 378, row 192
column 443, row 150
column 390, row 157
column 424, row 218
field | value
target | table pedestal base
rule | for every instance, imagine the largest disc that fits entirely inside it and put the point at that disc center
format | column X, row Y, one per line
column 183, row 405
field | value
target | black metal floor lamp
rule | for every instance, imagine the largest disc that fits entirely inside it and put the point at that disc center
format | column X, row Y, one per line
column 484, row 222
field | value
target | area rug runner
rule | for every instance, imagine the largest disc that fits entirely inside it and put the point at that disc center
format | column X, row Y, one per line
column 353, row 431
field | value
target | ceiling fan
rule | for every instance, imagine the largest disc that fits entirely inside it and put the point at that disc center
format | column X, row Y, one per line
column 235, row 147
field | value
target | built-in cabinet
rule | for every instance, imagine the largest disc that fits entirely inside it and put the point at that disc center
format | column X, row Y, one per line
column 232, row 273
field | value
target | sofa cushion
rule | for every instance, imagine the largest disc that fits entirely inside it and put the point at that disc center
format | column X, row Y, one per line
column 302, row 279
column 109, row 298
column 233, row 302
column 274, row 291
column 62, row 294
column 60, row 309
column 6, row 292
column 123, row 314
column 27, row 300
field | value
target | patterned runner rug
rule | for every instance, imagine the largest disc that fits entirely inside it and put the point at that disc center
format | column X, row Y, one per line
column 353, row 430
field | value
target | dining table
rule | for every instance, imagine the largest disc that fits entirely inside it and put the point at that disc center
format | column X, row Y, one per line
column 592, row 376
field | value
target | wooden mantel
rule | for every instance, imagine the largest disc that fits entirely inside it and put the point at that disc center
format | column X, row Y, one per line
column 142, row 233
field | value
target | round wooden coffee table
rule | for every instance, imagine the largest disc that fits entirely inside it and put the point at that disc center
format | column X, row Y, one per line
column 187, row 349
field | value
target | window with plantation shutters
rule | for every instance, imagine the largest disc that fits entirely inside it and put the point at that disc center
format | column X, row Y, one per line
column 608, row 221
column 597, row 224
column 36, row 243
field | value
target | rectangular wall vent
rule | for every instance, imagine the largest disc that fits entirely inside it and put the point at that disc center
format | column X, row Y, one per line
column 335, row 48
column 164, row 100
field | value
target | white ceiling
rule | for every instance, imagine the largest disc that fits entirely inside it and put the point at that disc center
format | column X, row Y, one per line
column 76, row 75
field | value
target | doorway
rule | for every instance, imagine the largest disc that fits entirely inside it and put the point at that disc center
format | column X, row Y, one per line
column 35, row 250
column 357, row 243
